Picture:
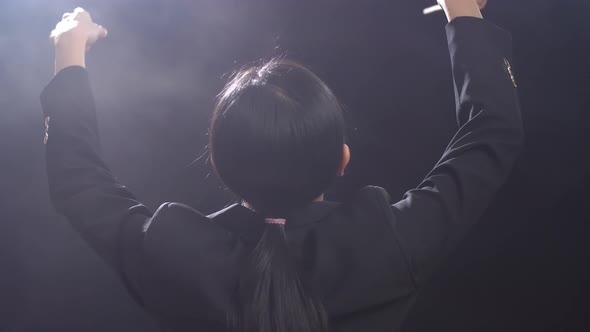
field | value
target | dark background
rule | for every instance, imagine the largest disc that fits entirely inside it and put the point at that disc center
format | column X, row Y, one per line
column 523, row 268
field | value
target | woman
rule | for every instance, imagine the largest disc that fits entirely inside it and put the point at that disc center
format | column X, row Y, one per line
column 285, row 259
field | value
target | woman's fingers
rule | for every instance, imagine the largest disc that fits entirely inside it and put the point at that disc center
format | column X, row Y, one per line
column 98, row 32
column 102, row 32
column 81, row 16
column 77, row 27
column 79, row 11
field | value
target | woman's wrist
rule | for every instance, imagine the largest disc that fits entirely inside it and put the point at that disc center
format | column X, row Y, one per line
column 460, row 8
column 69, row 54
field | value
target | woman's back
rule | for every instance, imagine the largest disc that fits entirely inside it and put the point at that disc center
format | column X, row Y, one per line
column 281, row 262
column 345, row 252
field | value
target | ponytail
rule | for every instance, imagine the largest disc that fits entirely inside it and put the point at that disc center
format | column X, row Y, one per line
column 271, row 296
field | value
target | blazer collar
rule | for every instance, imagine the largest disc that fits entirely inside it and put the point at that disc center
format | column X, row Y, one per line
column 239, row 218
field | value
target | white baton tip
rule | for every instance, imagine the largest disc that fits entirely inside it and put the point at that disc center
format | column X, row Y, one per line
column 432, row 9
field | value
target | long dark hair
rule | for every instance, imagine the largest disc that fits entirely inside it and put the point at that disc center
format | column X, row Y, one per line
column 276, row 140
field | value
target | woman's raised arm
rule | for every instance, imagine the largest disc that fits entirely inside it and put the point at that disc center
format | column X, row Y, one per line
column 432, row 218
column 81, row 185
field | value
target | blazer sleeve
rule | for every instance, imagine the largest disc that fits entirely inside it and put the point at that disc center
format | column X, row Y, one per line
column 432, row 218
column 81, row 186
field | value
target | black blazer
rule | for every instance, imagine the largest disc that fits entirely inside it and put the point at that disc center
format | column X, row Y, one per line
column 365, row 258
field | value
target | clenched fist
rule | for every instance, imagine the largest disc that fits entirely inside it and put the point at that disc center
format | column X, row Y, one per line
column 78, row 28
column 73, row 36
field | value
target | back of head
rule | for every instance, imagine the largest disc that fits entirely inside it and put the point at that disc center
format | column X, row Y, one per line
column 276, row 136
column 276, row 140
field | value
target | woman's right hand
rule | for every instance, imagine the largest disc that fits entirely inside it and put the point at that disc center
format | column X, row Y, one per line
column 72, row 38
column 458, row 8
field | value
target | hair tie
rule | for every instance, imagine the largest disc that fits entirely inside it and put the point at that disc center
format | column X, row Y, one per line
column 275, row 221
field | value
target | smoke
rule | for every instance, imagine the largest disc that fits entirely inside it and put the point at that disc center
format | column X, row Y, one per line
column 154, row 78
column 154, row 49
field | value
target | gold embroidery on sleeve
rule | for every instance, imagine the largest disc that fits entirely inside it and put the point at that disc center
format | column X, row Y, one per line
column 46, row 137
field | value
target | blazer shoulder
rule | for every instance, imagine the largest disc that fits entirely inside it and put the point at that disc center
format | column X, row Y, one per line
column 373, row 200
column 176, row 211
column 176, row 226
column 188, row 261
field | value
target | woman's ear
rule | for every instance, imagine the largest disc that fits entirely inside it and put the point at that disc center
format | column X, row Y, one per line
column 345, row 160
